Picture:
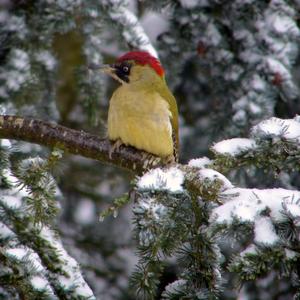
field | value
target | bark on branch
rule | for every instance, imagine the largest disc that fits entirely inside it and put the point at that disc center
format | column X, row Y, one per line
column 73, row 141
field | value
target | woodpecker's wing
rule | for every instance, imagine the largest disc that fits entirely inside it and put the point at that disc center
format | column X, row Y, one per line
column 168, row 96
column 142, row 124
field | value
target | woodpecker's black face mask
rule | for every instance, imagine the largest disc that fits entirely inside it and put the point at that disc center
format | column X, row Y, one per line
column 122, row 70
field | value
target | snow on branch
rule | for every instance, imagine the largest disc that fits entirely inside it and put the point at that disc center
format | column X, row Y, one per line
column 167, row 199
column 28, row 264
column 274, row 143
column 275, row 139
column 163, row 212
column 288, row 129
column 132, row 31
column 36, row 251
column 234, row 146
column 158, row 179
column 248, row 205
column 269, row 220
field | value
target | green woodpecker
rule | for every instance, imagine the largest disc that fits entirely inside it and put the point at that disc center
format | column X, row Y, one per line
column 142, row 111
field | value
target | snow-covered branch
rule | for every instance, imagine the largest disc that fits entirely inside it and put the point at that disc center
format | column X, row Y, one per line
column 180, row 209
column 32, row 254
column 189, row 212
column 132, row 31
column 274, row 144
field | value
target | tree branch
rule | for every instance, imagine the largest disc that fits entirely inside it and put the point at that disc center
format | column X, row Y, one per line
column 52, row 135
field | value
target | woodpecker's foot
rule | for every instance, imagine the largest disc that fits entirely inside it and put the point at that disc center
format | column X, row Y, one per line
column 114, row 147
column 150, row 160
column 169, row 160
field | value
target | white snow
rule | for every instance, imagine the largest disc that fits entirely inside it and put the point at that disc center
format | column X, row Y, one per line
column 85, row 212
column 5, row 143
column 39, row 282
column 250, row 57
column 248, row 204
column 293, row 209
column 12, row 201
column 189, row 3
column 234, row 146
column 5, row 231
column 153, row 208
column 264, row 232
column 278, row 32
column 68, row 5
column 255, row 109
column 31, row 162
column 157, row 179
column 47, row 59
column 290, row 254
column 257, row 83
column 288, row 129
column 223, row 55
column 214, row 35
column 4, row 16
column 213, row 175
column 15, row 79
column 18, row 73
column 276, row 67
column 132, row 32
column 251, row 249
column 36, row 261
column 200, row 163
column 233, row 73
column 32, row 256
column 14, row 191
column 175, row 286
column 277, row 23
column 283, row 25
column 244, row 35
column 18, row 25
column 241, row 103
column 3, row 93
column 150, row 18
column 240, row 117
column 19, row 253
column 93, row 13
column 73, row 276
column 20, row 59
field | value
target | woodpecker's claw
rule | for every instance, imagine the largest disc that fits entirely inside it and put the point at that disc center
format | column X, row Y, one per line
column 170, row 160
column 116, row 146
column 150, row 160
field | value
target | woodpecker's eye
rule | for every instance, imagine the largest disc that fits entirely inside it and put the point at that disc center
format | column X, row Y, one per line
column 125, row 69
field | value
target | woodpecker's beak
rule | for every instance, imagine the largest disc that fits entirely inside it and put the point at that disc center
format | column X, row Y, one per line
column 108, row 69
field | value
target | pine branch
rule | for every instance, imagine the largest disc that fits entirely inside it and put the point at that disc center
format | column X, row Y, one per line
column 274, row 145
column 62, row 272
column 129, row 26
column 73, row 141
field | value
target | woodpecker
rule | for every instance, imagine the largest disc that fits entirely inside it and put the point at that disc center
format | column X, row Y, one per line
column 142, row 111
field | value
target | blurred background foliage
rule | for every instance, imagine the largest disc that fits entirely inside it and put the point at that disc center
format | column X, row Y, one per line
column 230, row 64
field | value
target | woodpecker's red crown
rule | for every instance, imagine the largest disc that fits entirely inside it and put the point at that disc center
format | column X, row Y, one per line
column 143, row 58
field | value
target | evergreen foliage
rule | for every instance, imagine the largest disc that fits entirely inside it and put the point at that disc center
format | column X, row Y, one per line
column 234, row 68
column 241, row 55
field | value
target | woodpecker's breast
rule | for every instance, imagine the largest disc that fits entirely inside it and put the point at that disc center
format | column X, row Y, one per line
column 141, row 119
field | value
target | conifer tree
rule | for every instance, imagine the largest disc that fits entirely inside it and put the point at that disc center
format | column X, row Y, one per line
column 224, row 227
